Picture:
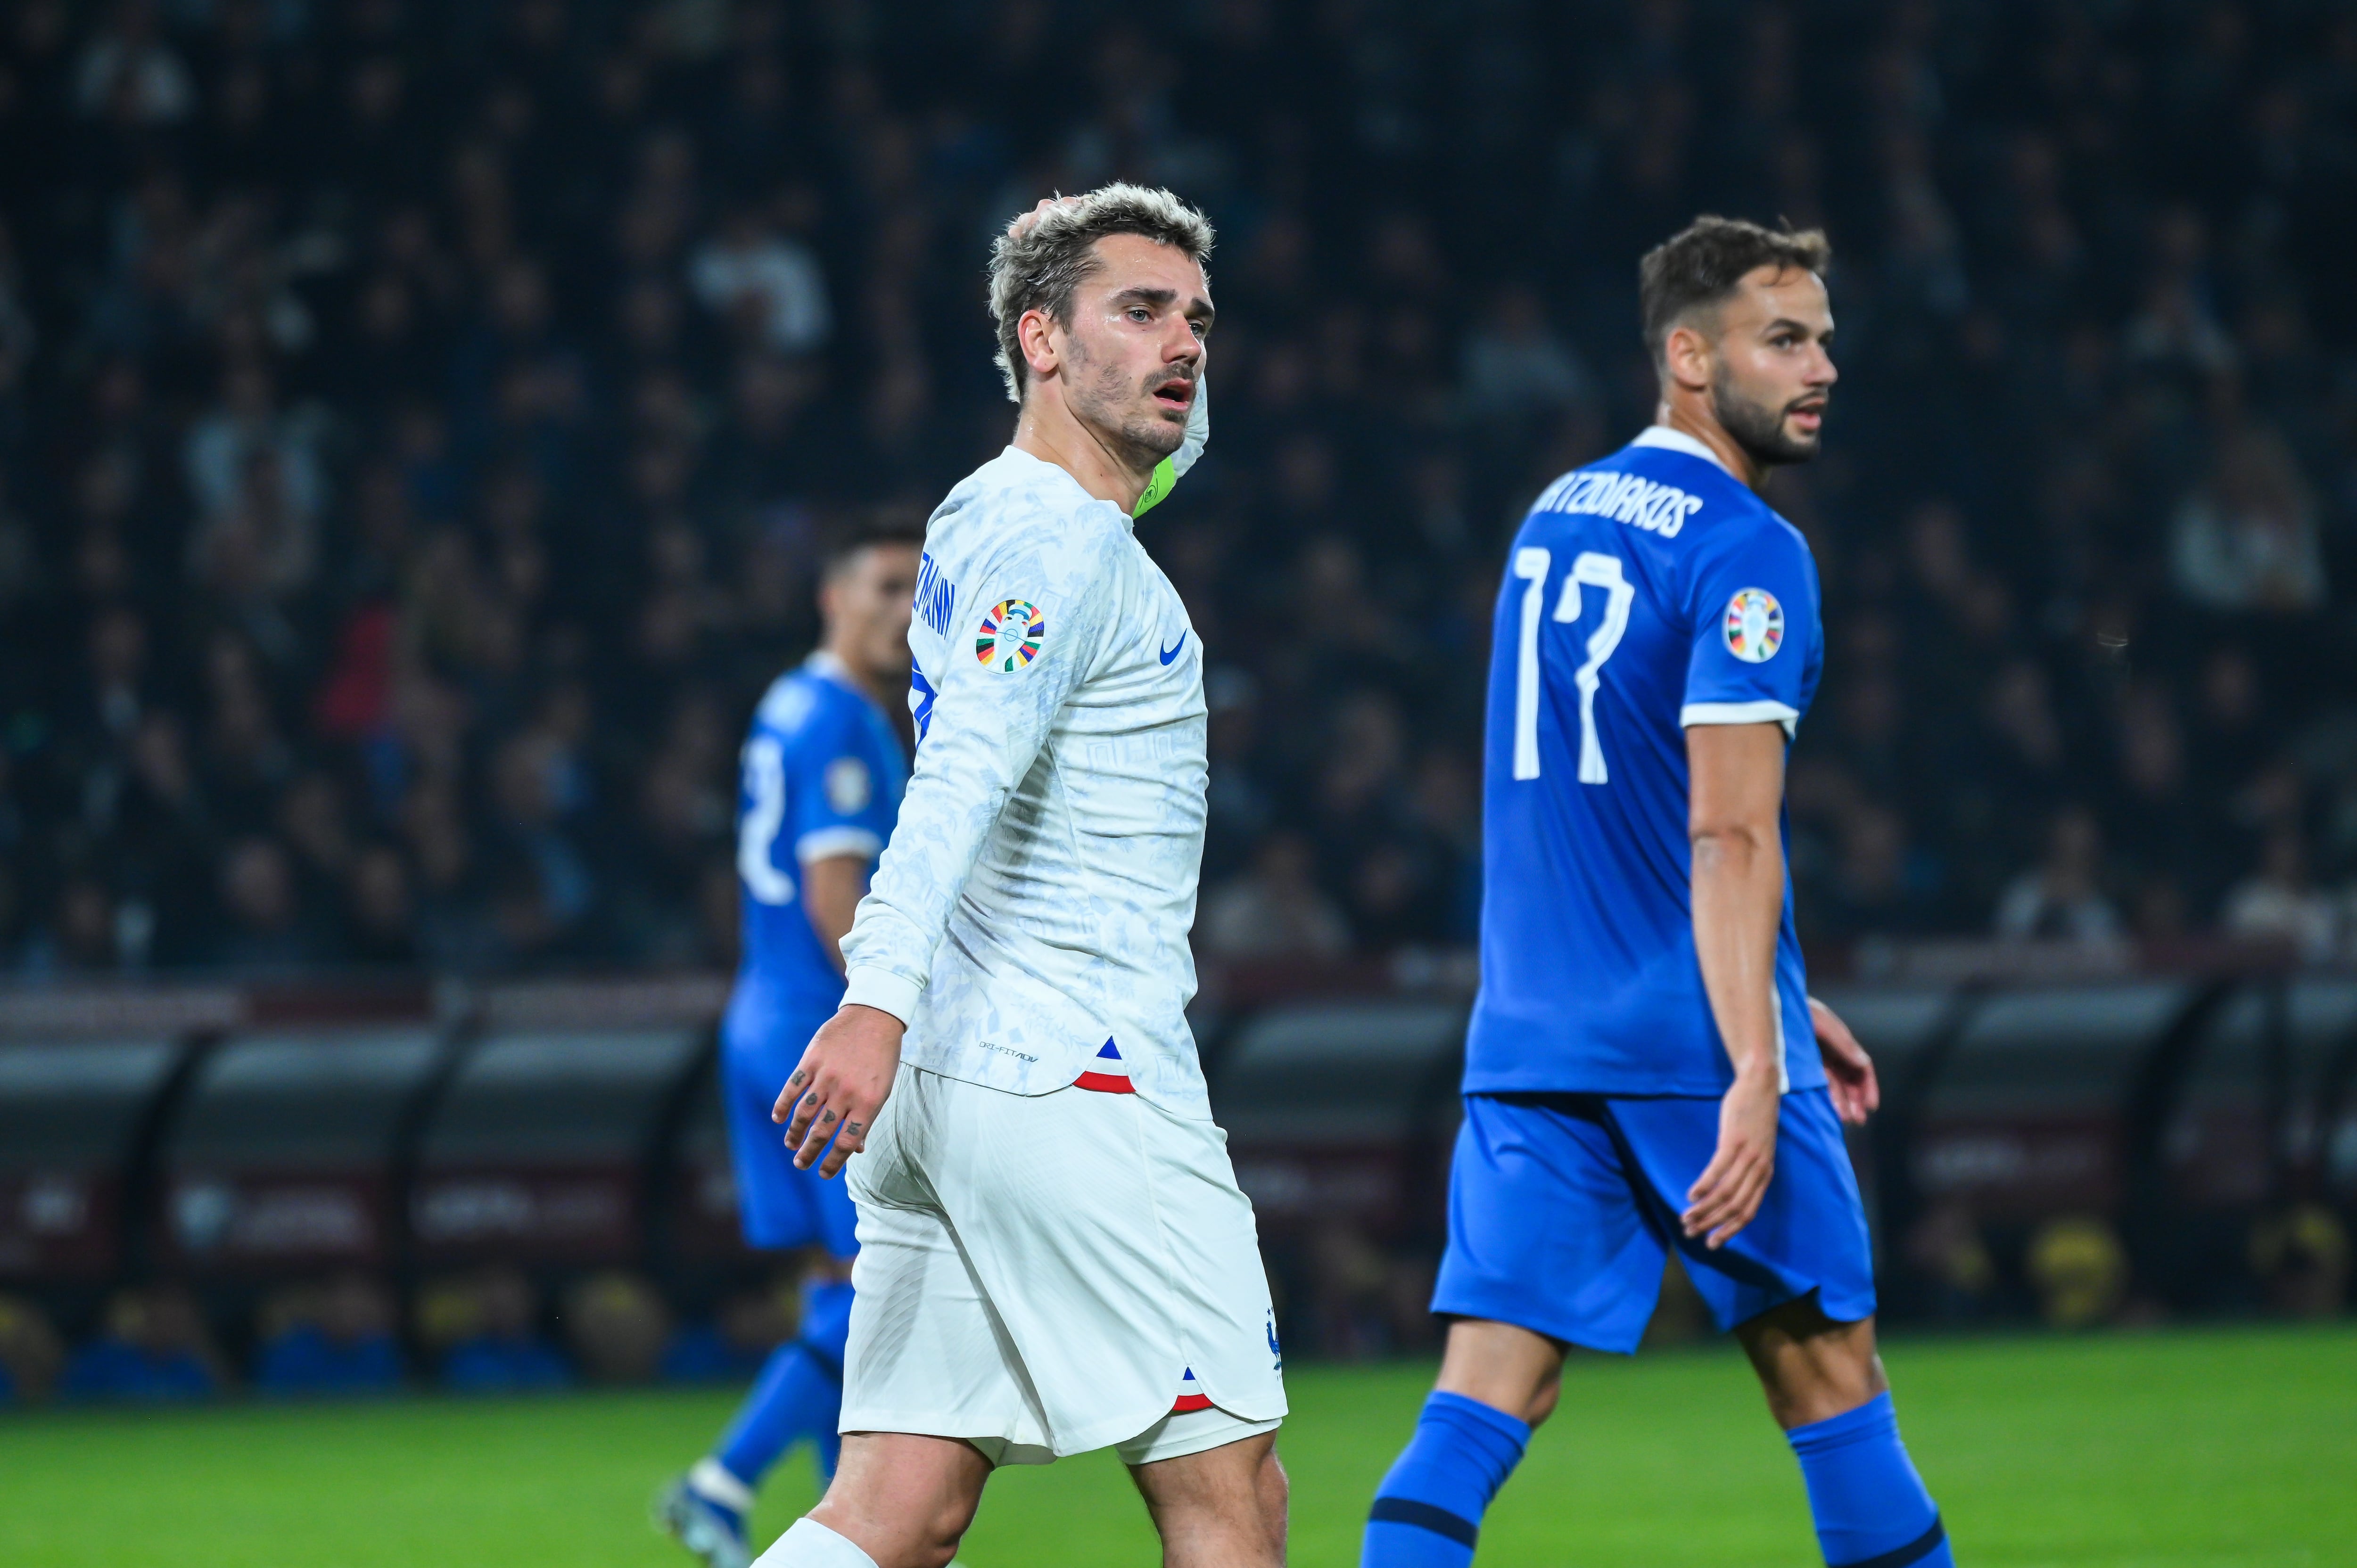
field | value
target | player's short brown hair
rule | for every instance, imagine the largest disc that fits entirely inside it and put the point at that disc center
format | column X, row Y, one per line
column 1040, row 268
column 1701, row 265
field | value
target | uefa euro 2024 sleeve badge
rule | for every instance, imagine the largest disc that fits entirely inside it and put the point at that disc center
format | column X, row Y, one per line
column 1755, row 626
column 1012, row 630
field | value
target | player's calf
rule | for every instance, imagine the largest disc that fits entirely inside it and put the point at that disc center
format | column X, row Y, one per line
column 899, row 1501
column 1826, row 1387
column 1497, row 1382
column 1222, row 1508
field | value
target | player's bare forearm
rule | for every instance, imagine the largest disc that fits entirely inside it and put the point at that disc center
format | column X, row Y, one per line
column 842, row 1081
column 1737, row 774
column 1734, row 826
column 831, row 888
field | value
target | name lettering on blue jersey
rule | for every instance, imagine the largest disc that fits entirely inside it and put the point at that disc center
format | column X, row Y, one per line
column 936, row 599
column 1624, row 497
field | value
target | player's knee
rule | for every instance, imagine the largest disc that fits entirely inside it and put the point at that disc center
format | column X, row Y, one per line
column 1542, row 1401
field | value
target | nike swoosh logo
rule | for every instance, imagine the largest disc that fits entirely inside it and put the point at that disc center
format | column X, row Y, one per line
column 1171, row 653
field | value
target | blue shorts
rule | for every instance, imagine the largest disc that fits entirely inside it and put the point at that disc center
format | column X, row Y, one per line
column 1562, row 1208
column 780, row 1206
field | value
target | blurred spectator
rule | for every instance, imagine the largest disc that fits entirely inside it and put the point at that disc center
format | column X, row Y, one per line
column 1947, row 1249
column 2079, row 1270
column 2064, row 899
column 382, row 911
column 336, row 1338
column 617, row 1327
column 484, row 1331
column 2246, row 539
column 1515, row 366
column 31, row 1354
column 1273, row 910
column 128, row 72
column 266, row 927
column 2302, row 1259
column 154, row 1347
column 2277, row 904
column 750, row 275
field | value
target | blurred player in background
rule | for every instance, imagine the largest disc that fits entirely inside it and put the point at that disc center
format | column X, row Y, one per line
column 823, row 770
column 1639, row 1072
column 1054, row 1254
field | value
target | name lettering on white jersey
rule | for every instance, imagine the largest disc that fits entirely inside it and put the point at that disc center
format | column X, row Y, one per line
column 936, row 598
column 1624, row 497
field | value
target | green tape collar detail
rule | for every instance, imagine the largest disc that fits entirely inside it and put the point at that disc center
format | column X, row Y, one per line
column 1157, row 489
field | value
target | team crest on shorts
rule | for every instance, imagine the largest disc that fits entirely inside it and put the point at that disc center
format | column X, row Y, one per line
column 1755, row 626
column 1012, row 630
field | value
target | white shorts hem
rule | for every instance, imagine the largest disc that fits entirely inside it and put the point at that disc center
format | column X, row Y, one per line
column 1182, row 1432
column 1173, row 1434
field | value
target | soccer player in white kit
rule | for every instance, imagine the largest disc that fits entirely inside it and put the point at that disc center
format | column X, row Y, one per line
column 1054, row 1254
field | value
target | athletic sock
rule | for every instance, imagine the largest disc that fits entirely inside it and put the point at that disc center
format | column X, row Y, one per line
column 809, row 1544
column 1428, row 1512
column 1870, row 1507
column 721, row 1491
column 799, row 1393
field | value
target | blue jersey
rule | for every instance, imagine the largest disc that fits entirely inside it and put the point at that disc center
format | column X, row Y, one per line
column 822, row 776
column 1646, row 593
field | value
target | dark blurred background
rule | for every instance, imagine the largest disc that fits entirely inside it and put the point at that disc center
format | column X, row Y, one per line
column 419, row 423
column 416, row 421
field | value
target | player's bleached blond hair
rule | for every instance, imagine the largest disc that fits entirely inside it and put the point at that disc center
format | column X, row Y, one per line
column 1041, row 265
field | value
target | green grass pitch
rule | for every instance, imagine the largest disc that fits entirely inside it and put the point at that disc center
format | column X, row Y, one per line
column 2192, row 1449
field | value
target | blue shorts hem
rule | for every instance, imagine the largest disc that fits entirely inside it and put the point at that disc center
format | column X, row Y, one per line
column 1563, row 1210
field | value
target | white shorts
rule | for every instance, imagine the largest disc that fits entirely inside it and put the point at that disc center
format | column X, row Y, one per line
column 1042, row 1275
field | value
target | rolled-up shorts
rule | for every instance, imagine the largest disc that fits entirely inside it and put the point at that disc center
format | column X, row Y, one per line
column 1563, row 1208
column 1042, row 1275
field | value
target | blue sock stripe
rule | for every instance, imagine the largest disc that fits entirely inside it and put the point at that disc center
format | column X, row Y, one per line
column 1424, row 1516
column 1915, row 1551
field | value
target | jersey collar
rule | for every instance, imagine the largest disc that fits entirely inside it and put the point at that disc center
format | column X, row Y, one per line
column 1679, row 441
column 821, row 662
column 1064, row 474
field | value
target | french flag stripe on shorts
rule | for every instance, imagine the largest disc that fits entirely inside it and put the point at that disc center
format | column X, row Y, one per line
column 1108, row 1074
column 1191, row 1395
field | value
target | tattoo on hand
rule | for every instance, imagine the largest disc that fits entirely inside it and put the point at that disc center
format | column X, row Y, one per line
column 799, row 1075
column 826, row 1118
column 852, row 1128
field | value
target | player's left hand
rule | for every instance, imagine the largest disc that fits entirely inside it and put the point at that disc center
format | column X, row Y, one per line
column 1726, row 1195
column 1849, row 1072
column 842, row 1081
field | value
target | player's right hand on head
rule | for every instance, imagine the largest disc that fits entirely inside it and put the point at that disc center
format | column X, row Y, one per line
column 1726, row 1195
column 842, row 1081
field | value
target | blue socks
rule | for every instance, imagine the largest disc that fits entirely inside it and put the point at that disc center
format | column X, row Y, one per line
column 799, row 1393
column 1428, row 1512
column 1870, row 1507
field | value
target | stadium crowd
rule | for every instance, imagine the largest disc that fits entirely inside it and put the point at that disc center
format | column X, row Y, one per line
column 418, row 422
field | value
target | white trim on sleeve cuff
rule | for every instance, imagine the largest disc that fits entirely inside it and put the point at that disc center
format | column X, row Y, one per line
column 882, row 989
column 1763, row 712
column 825, row 844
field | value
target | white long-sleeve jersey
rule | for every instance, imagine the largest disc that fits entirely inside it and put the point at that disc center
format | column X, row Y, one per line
column 1035, row 899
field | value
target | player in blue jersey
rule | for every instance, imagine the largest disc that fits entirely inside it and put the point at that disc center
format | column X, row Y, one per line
column 1645, row 1068
column 822, row 776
